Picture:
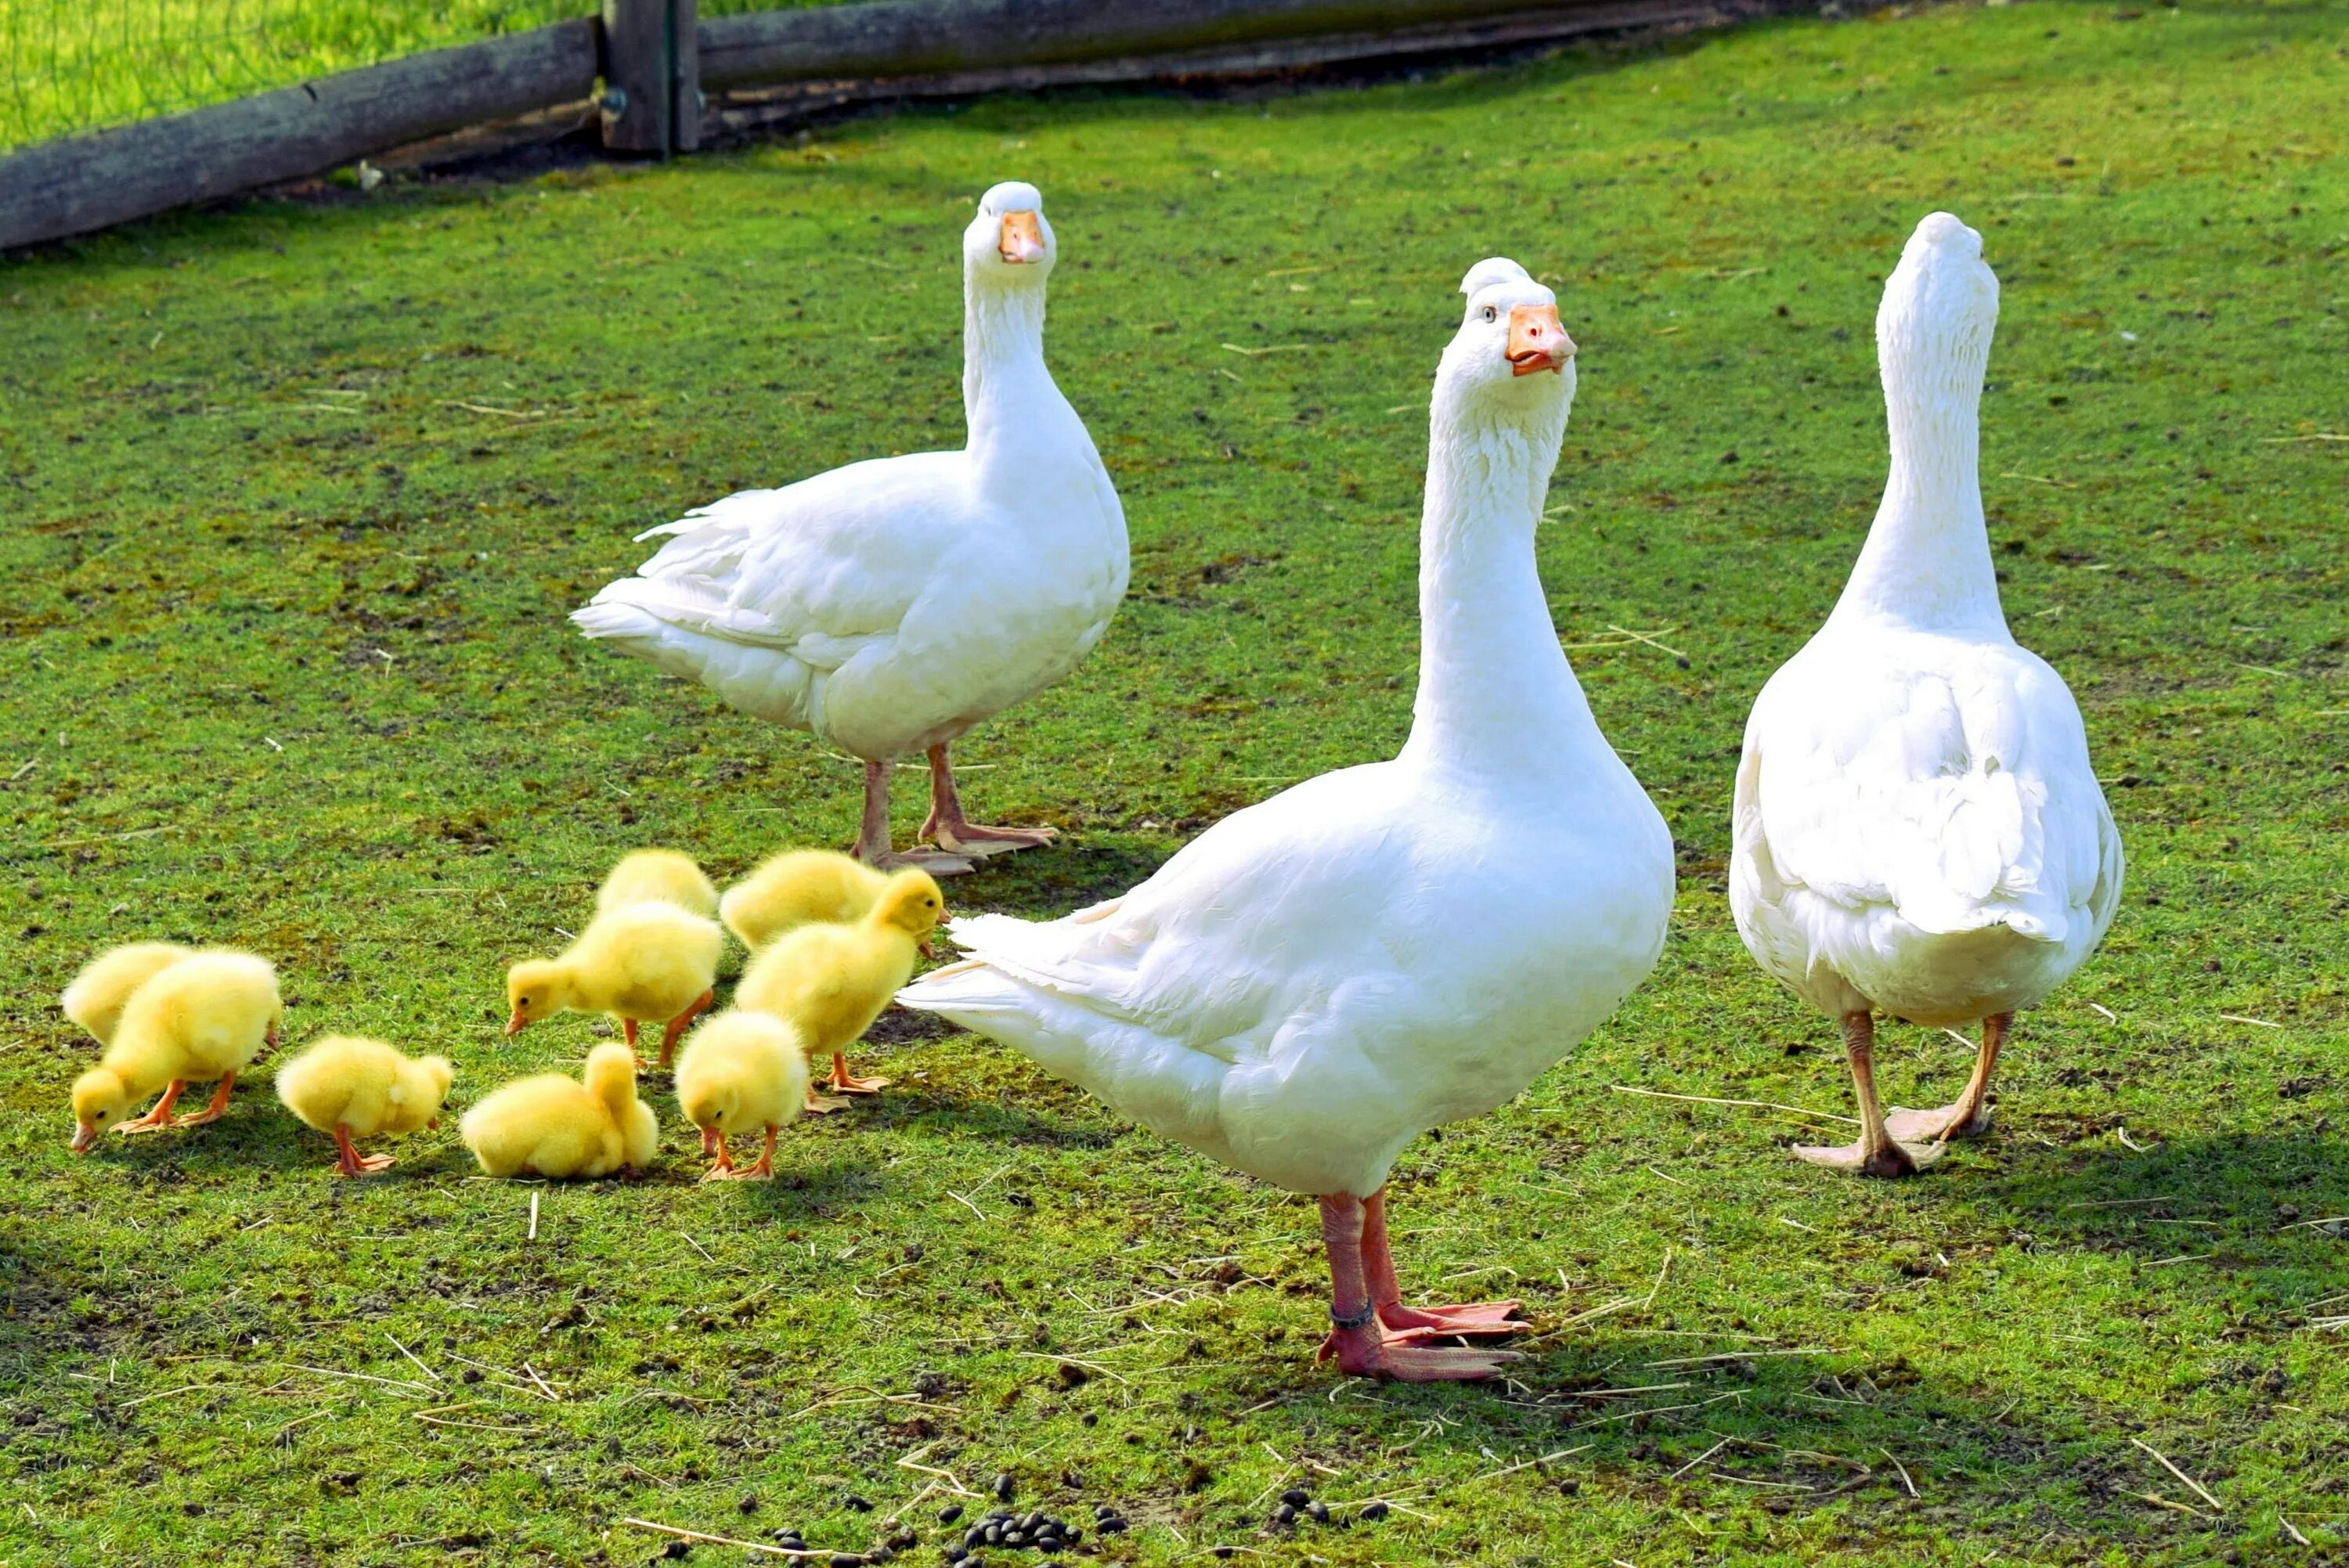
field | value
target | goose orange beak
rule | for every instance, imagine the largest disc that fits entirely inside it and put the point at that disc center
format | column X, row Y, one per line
column 1021, row 240
column 1537, row 341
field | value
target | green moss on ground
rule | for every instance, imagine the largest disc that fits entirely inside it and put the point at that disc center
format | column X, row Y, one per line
column 297, row 498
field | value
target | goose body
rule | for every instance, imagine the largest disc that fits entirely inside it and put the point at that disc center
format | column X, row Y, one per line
column 203, row 1016
column 888, row 607
column 646, row 963
column 350, row 1088
column 1317, row 979
column 99, row 993
column 657, row 876
column 1917, row 830
column 561, row 1127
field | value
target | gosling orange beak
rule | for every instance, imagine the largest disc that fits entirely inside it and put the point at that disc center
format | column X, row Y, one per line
column 1021, row 240
column 270, row 1039
column 514, row 1024
column 709, row 1142
column 433, row 1125
column 1537, row 341
column 85, row 1134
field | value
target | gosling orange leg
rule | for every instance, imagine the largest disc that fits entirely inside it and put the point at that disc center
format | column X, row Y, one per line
column 158, row 1118
column 218, row 1107
column 349, row 1162
column 676, row 1025
column 841, row 1083
column 726, row 1171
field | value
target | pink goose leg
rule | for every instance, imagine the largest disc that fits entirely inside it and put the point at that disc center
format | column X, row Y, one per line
column 1357, row 1340
column 873, row 834
column 950, row 829
column 1405, row 1323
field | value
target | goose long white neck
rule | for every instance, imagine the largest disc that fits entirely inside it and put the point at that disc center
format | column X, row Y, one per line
column 1495, row 694
column 1927, row 560
column 1008, row 398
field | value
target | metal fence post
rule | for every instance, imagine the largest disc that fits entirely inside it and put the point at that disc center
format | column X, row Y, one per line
column 652, row 74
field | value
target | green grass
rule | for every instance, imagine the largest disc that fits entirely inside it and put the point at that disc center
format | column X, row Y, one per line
column 70, row 66
column 281, row 623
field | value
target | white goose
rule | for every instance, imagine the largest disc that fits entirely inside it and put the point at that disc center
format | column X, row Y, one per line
column 1917, row 830
column 888, row 607
column 1316, row 980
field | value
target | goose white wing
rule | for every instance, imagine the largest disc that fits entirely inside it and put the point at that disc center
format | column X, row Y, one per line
column 814, row 571
column 1217, row 948
column 1150, row 1001
column 1958, row 795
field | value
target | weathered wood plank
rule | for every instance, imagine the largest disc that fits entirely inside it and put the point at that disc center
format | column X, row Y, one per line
column 84, row 183
column 746, row 111
column 935, row 37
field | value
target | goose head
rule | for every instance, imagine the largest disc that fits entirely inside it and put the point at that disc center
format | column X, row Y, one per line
column 535, row 989
column 1941, row 307
column 99, row 1098
column 1511, row 361
column 1008, row 241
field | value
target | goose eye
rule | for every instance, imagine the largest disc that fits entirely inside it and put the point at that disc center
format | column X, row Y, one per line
column 1491, row 314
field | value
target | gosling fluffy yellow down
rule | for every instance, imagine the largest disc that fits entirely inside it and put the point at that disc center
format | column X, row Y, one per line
column 96, row 998
column 643, row 962
column 551, row 1125
column 203, row 1018
column 657, row 876
column 742, row 1072
column 800, row 887
column 830, row 981
column 348, row 1087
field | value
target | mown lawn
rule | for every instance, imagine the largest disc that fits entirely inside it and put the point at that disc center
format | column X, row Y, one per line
column 297, row 496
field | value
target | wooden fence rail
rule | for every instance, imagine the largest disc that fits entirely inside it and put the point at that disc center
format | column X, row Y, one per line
column 654, row 58
column 84, row 183
column 926, row 38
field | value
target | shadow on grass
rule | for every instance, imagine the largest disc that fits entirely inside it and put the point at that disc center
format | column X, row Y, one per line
column 1057, row 881
column 2248, row 1197
column 984, row 1121
column 1877, row 1450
